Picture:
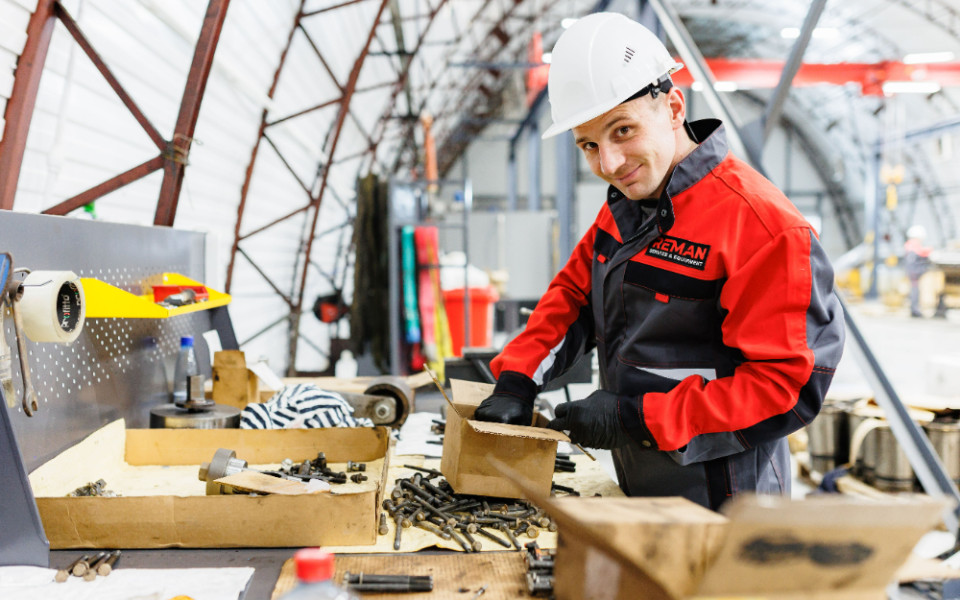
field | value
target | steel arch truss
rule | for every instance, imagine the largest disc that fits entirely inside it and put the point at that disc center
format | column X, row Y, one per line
column 173, row 153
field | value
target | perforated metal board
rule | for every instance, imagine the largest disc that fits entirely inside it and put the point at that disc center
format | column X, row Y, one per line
column 105, row 373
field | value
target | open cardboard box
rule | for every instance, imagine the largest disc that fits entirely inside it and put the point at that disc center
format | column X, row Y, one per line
column 164, row 504
column 468, row 443
column 829, row 547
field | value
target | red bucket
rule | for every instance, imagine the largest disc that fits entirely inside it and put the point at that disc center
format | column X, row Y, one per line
column 482, row 300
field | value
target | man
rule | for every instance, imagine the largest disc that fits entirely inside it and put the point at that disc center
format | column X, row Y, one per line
column 916, row 262
column 706, row 293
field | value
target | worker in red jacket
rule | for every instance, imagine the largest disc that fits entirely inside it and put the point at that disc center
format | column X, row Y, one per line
column 706, row 293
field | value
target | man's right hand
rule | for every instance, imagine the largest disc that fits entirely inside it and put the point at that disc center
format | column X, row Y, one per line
column 511, row 401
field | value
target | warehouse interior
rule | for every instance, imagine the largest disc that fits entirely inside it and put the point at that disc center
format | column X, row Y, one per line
column 352, row 201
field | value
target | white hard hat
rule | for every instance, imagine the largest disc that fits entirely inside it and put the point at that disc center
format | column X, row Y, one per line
column 600, row 61
column 917, row 232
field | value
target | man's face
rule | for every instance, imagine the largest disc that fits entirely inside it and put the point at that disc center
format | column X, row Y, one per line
column 634, row 145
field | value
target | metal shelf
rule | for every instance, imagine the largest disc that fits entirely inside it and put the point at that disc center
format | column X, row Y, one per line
column 105, row 301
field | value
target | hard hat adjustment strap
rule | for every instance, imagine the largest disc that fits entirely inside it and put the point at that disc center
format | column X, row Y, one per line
column 654, row 89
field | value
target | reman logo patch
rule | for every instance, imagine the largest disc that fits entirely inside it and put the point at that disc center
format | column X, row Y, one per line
column 683, row 252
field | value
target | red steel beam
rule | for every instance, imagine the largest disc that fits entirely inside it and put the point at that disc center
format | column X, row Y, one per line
column 23, row 98
column 179, row 149
column 256, row 147
column 138, row 172
column 305, row 111
column 112, row 81
column 749, row 73
column 349, row 90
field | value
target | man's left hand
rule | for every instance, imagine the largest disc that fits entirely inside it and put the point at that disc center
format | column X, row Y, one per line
column 592, row 422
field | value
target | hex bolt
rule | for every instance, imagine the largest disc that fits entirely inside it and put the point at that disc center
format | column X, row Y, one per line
column 92, row 572
column 437, row 491
column 396, row 540
column 430, row 508
column 405, row 523
column 354, row 467
column 539, row 585
column 474, row 543
column 532, row 531
column 388, row 504
column 493, row 537
column 418, row 515
column 358, row 477
column 456, row 537
column 428, row 526
column 64, row 574
column 304, row 468
column 552, row 527
column 418, row 492
column 383, row 529
column 286, row 465
column 106, row 567
column 513, row 538
column 84, row 565
column 320, row 462
column 430, row 472
column 543, row 522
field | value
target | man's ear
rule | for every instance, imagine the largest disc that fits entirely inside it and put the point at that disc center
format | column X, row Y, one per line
column 677, row 105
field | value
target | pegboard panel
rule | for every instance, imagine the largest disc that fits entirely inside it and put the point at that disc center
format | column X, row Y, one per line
column 117, row 367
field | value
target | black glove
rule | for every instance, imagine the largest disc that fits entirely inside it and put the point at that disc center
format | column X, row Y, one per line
column 592, row 422
column 511, row 401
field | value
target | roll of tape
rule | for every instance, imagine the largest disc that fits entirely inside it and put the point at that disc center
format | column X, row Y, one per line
column 53, row 306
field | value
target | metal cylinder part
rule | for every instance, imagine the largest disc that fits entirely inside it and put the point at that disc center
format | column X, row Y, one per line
column 171, row 417
column 893, row 472
column 829, row 438
column 945, row 439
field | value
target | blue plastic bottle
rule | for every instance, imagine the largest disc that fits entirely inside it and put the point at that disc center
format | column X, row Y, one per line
column 315, row 576
column 186, row 366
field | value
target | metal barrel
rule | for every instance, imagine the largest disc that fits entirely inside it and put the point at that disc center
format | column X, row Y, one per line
column 893, row 472
column 829, row 438
column 945, row 439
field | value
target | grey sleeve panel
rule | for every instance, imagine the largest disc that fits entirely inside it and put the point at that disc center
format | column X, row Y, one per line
column 707, row 446
column 825, row 324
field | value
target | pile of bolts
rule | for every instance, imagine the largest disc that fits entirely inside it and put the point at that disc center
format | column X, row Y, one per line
column 435, row 507
column 89, row 566
column 318, row 469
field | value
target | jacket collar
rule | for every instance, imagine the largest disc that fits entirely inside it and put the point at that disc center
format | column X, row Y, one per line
column 710, row 151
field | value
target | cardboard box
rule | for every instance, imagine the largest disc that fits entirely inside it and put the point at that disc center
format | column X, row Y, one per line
column 825, row 547
column 468, row 445
column 771, row 547
column 164, row 503
column 233, row 383
column 673, row 538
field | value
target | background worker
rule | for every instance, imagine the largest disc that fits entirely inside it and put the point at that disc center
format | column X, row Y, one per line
column 706, row 293
column 916, row 262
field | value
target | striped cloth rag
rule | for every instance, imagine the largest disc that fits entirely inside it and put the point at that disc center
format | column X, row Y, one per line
column 301, row 406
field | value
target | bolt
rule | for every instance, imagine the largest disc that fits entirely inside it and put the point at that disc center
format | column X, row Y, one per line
column 513, row 538
column 353, row 467
column 456, row 537
column 286, row 465
column 396, row 540
column 358, row 477
column 64, row 574
column 383, row 529
column 474, row 543
column 106, row 567
column 532, row 531
column 428, row 526
column 493, row 537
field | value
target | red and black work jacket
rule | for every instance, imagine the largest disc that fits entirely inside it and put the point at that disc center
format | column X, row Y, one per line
column 714, row 317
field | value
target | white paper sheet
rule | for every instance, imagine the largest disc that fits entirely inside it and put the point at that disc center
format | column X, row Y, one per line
column 36, row 583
